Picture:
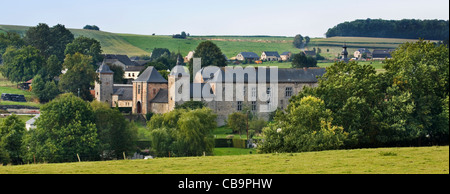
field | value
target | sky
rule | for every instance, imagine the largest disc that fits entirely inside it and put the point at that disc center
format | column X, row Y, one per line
column 202, row 17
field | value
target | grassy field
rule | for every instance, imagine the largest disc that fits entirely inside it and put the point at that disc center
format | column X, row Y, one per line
column 133, row 45
column 10, row 88
column 415, row 160
column 111, row 43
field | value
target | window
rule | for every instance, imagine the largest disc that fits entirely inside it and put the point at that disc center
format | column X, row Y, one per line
column 139, row 89
column 239, row 105
column 154, row 91
column 253, row 92
column 268, row 91
column 288, row 91
column 254, row 106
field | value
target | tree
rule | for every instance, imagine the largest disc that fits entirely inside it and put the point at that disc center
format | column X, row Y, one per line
column 406, row 28
column 10, row 39
column 307, row 40
column 49, row 41
column 421, row 70
column 238, row 122
column 80, row 75
column 118, row 74
column 60, row 38
column 301, row 60
column 306, row 126
column 65, row 129
column 12, row 130
column 45, row 91
column 40, row 37
column 298, row 41
column 93, row 27
column 194, row 135
column 86, row 46
column 20, row 65
column 183, row 132
column 115, row 134
column 210, row 54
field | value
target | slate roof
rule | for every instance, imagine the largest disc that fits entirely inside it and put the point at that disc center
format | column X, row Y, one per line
column 161, row 97
column 310, row 53
column 272, row 54
column 286, row 53
column 287, row 75
column 122, row 58
column 135, row 68
column 151, row 75
column 104, row 68
column 249, row 55
column 125, row 92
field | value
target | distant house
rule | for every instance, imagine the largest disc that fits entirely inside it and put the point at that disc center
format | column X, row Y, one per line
column 310, row 53
column 247, row 56
column 270, row 56
column 286, row 56
column 189, row 56
column 382, row 54
column 30, row 124
column 361, row 52
column 131, row 68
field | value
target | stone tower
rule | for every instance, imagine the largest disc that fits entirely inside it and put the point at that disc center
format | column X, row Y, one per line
column 104, row 88
column 179, row 86
column 145, row 89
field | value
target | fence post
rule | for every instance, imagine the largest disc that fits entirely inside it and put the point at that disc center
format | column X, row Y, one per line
column 78, row 156
column 124, row 157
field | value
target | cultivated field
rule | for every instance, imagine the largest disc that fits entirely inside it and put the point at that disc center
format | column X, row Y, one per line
column 415, row 160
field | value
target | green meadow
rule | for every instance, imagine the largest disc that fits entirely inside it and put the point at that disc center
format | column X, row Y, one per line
column 413, row 160
column 135, row 45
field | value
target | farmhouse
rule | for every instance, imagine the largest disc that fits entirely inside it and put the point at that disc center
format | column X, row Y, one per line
column 189, row 56
column 362, row 52
column 270, row 56
column 150, row 92
column 251, row 56
column 286, row 56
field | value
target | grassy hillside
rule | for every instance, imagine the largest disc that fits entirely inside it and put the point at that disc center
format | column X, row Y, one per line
column 111, row 43
column 131, row 44
column 423, row 160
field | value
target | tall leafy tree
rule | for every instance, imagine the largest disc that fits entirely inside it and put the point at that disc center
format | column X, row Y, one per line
column 65, row 128
column 60, row 38
column 86, row 46
column 298, row 41
column 115, row 134
column 306, row 126
column 12, row 130
column 10, row 39
column 20, row 65
column 80, row 75
column 421, row 70
column 49, row 41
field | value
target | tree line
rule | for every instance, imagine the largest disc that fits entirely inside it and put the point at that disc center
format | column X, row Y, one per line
column 356, row 107
column 43, row 53
column 68, row 128
column 406, row 28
